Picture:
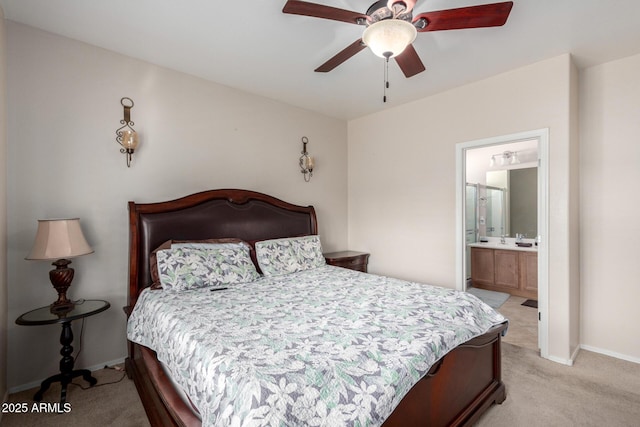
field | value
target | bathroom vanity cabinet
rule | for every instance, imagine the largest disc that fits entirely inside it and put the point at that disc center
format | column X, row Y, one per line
column 505, row 270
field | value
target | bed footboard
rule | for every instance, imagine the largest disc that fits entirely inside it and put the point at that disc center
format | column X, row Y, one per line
column 459, row 388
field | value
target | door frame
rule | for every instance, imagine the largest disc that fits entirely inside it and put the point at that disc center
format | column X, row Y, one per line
column 542, row 136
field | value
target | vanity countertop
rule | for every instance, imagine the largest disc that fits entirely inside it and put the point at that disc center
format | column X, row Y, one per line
column 509, row 246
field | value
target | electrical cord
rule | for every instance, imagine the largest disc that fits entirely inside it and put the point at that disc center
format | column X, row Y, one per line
column 116, row 368
column 80, row 341
column 79, row 302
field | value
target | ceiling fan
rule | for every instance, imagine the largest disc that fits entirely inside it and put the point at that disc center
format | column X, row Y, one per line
column 391, row 27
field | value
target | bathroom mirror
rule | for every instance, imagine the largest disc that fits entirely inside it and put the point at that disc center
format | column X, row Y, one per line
column 515, row 210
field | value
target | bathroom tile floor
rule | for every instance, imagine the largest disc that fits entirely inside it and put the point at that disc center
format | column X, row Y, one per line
column 523, row 323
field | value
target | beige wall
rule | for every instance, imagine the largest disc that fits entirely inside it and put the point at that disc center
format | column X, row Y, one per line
column 195, row 135
column 402, row 178
column 574, row 211
column 3, row 211
column 610, row 176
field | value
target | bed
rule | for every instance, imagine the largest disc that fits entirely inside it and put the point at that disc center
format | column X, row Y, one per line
column 454, row 390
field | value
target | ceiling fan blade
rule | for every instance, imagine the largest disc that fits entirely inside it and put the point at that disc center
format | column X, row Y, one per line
column 409, row 62
column 486, row 15
column 326, row 12
column 341, row 56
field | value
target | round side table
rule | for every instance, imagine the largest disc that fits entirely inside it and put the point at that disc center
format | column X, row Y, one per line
column 44, row 316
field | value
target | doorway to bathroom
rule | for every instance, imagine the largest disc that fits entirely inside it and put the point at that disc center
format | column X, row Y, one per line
column 501, row 197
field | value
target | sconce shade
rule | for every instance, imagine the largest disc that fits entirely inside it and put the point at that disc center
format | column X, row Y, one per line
column 129, row 139
column 389, row 37
column 59, row 238
column 308, row 162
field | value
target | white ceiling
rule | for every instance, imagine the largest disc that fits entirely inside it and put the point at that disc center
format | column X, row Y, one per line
column 251, row 45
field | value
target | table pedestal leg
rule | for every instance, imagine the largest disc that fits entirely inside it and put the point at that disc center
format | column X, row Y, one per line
column 67, row 374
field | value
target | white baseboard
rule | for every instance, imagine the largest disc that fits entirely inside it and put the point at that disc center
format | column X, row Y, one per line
column 34, row 384
column 109, row 363
column 563, row 361
column 568, row 362
column 611, row 353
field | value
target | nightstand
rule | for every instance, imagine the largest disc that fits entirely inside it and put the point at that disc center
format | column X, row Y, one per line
column 348, row 259
column 44, row 316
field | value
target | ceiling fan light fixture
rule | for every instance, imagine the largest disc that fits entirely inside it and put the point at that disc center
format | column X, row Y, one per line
column 389, row 37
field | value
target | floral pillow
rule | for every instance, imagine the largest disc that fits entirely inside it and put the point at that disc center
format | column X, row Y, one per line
column 153, row 260
column 289, row 255
column 192, row 267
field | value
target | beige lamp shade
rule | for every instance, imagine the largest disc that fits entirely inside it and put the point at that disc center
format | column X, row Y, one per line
column 59, row 238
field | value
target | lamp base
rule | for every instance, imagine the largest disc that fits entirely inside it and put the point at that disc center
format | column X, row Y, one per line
column 61, row 278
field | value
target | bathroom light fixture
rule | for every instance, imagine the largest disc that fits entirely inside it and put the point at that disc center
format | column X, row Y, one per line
column 507, row 157
column 306, row 161
column 126, row 135
column 59, row 239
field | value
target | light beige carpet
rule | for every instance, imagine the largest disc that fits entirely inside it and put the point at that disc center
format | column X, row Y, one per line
column 523, row 323
column 596, row 391
column 113, row 401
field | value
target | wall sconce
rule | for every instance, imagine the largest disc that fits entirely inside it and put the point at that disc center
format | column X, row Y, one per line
column 127, row 136
column 306, row 161
column 508, row 157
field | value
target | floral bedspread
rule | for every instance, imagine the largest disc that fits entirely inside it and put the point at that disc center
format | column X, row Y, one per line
column 327, row 346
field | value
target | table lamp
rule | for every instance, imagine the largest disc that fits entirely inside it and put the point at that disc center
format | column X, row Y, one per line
column 60, row 239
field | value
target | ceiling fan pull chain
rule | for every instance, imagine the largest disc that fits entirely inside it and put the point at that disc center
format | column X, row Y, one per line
column 386, row 79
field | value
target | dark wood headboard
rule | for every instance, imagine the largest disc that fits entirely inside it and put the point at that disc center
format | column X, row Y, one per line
column 214, row 214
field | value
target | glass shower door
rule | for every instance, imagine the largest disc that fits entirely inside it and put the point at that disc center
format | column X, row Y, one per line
column 471, row 221
column 471, row 214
